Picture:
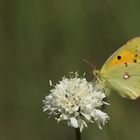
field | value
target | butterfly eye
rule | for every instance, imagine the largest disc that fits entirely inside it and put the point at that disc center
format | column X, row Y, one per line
column 119, row 57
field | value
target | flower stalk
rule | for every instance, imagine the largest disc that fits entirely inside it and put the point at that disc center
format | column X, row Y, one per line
column 77, row 134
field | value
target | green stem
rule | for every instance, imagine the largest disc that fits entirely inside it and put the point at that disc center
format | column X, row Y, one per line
column 77, row 134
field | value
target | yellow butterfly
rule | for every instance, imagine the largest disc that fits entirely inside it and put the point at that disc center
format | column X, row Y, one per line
column 121, row 72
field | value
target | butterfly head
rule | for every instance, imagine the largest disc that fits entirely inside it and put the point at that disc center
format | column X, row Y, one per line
column 97, row 75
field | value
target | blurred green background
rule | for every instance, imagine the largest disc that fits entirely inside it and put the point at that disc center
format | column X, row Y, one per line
column 46, row 39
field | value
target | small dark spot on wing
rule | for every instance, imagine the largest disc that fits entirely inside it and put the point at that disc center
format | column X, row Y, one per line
column 118, row 57
column 135, row 61
column 125, row 64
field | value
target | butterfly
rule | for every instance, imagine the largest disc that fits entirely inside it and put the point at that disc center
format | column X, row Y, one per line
column 121, row 71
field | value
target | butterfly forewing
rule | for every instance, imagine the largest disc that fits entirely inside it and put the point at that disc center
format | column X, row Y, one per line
column 128, row 53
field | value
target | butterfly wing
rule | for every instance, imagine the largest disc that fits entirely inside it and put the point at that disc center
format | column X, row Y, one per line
column 122, row 70
column 125, row 80
column 128, row 53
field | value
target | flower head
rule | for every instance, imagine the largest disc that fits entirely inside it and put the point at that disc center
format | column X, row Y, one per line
column 76, row 101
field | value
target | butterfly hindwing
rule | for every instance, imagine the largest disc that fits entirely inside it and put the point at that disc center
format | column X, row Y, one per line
column 125, row 80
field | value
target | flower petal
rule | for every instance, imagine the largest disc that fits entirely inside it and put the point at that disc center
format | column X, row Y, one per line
column 74, row 122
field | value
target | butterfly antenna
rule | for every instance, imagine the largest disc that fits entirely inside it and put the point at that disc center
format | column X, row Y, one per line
column 95, row 71
column 89, row 64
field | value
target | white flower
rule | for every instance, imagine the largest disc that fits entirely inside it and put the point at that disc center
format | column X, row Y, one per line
column 76, row 102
